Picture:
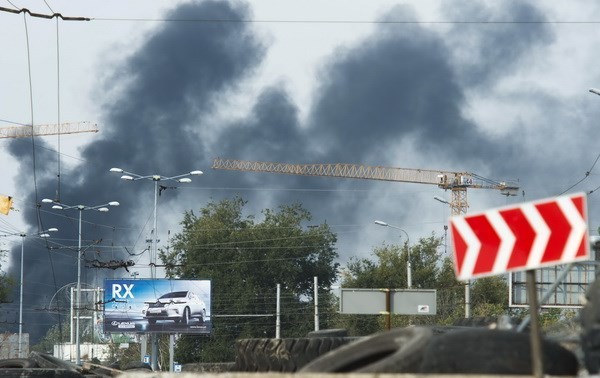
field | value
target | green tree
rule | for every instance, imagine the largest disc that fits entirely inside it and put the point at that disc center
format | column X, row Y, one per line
column 489, row 296
column 6, row 282
column 55, row 335
column 245, row 259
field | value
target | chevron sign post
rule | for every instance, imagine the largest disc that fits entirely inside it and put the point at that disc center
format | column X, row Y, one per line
column 523, row 237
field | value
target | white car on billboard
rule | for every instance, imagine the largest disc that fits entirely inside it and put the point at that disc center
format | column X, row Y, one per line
column 179, row 306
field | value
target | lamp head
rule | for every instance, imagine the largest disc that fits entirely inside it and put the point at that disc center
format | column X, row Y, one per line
column 103, row 209
column 127, row 177
column 53, row 229
column 113, row 203
column 381, row 223
column 118, row 170
column 196, row 173
column 47, row 200
column 57, row 207
column 185, row 180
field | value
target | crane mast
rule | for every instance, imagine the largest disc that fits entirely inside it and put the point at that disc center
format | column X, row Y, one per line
column 456, row 182
column 52, row 129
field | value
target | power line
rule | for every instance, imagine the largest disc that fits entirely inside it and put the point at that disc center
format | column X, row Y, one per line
column 389, row 22
column 40, row 15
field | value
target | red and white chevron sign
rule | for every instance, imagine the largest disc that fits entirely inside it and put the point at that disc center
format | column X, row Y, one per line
column 527, row 236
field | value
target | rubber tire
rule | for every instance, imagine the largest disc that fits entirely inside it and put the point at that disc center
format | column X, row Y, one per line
column 39, row 372
column 395, row 351
column 47, row 361
column 282, row 355
column 332, row 332
column 17, row 363
column 487, row 351
column 137, row 366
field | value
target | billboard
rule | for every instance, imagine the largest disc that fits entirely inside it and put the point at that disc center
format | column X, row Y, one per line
column 157, row 306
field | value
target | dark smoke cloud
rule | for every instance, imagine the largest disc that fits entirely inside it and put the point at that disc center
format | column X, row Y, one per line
column 162, row 93
column 493, row 48
column 403, row 85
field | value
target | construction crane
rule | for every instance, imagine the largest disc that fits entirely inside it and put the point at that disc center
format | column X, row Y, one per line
column 456, row 182
column 53, row 129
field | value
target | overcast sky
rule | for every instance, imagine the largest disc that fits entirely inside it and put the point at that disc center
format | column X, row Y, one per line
column 499, row 88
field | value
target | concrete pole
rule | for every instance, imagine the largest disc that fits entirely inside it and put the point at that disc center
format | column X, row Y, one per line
column 78, row 302
column 21, row 301
column 278, row 314
column 316, row 283
column 153, row 254
column 171, row 351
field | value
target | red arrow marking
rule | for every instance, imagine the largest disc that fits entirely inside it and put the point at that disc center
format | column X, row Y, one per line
column 490, row 243
column 556, row 221
column 460, row 248
column 524, row 235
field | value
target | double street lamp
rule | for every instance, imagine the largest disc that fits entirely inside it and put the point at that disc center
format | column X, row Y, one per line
column 23, row 235
column 81, row 208
column 184, row 179
column 130, row 176
column 408, row 265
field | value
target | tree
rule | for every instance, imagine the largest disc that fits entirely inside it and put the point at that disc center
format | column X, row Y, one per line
column 245, row 259
column 6, row 282
column 488, row 296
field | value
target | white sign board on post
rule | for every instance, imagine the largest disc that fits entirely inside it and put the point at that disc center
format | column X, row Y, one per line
column 402, row 301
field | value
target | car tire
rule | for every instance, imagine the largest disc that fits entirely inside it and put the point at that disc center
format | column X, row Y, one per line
column 151, row 321
column 17, row 363
column 202, row 316
column 488, row 351
column 136, row 366
column 185, row 319
column 50, row 362
column 395, row 351
column 282, row 355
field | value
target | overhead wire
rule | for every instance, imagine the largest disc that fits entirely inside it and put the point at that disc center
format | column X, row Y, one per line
column 587, row 174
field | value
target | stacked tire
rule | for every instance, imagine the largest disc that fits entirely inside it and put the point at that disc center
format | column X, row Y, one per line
column 287, row 354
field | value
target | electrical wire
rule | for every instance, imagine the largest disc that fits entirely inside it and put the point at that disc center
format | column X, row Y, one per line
column 587, row 174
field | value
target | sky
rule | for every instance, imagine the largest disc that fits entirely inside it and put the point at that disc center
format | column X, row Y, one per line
column 498, row 88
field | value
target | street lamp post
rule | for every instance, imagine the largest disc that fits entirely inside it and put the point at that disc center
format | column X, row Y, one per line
column 23, row 235
column 408, row 264
column 467, row 282
column 130, row 176
column 102, row 208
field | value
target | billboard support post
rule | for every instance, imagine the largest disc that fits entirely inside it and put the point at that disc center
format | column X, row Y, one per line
column 171, row 352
